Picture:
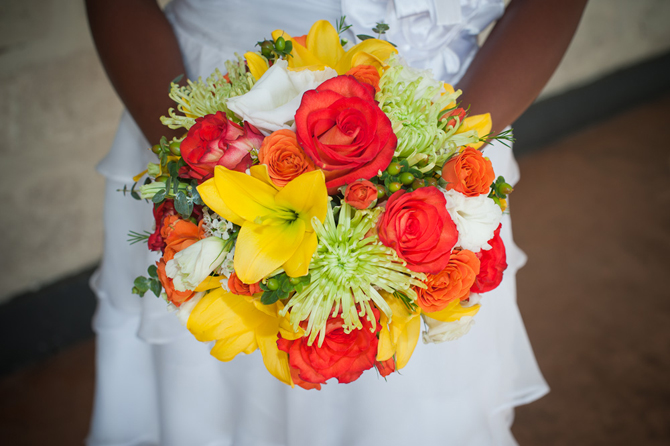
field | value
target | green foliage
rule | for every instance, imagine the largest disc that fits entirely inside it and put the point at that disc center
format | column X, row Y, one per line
column 285, row 286
column 143, row 284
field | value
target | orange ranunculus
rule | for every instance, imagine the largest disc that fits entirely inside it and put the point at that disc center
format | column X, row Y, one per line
column 284, row 157
column 240, row 288
column 469, row 173
column 174, row 296
column 452, row 283
column 367, row 74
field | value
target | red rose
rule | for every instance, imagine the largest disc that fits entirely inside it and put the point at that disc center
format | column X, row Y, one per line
column 493, row 263
column 344, row 356
column 360, row 194
column 240, row 288
column 161, row 211
column 343, row 130
column 419, row 228
column 213, row 141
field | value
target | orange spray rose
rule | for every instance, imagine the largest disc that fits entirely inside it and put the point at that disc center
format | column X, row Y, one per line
column 284, row 157
column 469, row 173
column 453, row 282
column 240, row 288
column 367, row 74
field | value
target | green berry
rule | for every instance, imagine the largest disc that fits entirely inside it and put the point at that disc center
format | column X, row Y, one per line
column 381, row 192
column 393, row 169
column 156, row 149
column 280, row 43
column 505, row 189
column 294, row 280
column 431, row 182
column 174, row 148
column 272, row 284
column 266, row 48
column 406, row 178
column 394, row 187
column 418, row 183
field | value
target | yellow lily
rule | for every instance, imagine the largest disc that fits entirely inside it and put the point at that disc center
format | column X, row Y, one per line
column 322, row 48
column 257, row 64
column 481, row 123
column 242, row 324
column 276, row 225
column 400, row 337
column 453, row 312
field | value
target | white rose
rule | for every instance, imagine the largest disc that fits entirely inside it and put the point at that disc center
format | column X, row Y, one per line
column 439, row 331
column 192, row 265
column 271, row 103
column 476, row 219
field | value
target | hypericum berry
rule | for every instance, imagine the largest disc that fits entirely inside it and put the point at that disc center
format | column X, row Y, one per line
column 419, row 182
column 174, row 148
column 406, row 178
column 266, row 48
column 381, row 192
column 280, row 43
column 393, row 169
column 294, row 280
column 156, row 149
column 505, row 189
column 394, row 187
column 272, row 284
column 431, row 182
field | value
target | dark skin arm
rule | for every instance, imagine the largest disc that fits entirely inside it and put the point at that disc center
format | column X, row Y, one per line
column 518, row 58
column 141, row 56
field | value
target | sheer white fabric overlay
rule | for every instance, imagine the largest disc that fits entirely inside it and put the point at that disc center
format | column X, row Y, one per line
column 156, row 385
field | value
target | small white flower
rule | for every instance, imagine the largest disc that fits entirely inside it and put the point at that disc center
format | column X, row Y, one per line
column 271, row 103
column 476, row 219
column 439, row 331
column 192, row 265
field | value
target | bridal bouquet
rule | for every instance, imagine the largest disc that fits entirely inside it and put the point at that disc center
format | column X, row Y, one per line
column 324, row 199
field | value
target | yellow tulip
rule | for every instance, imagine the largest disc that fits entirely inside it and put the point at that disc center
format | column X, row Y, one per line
column 242, row 324
column 481, row 123
column 276, row 225
column 323, row 48
column 400, row 337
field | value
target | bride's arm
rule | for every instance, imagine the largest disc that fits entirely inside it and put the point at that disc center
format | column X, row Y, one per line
column 518, row 58
column 141, row 56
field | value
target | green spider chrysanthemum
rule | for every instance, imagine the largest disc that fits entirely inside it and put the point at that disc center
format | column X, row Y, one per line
column 347, row 271
column 197, row 99
column 414, row 108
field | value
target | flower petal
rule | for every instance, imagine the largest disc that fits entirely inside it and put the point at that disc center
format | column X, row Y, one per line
column 244, row 195
column 262, row 249
column 306, row 195
column 377, row 49
column 226, row 349
column 210, row 283
column 300, row 56
column 324, row 42
column 298, row 264
column 260, row 172
column 210, row 195
column 257, row 64
column 481, row 123
column 453, row 312
column 275, row 360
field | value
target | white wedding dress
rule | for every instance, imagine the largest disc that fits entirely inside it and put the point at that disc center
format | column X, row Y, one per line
column 156, row 385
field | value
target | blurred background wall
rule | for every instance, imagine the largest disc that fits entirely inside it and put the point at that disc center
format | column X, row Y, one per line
column 59, row 115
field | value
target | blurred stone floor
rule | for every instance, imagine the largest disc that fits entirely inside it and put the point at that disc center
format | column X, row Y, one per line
column 593, row 213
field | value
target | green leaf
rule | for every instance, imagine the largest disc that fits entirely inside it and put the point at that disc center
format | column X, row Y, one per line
column 195, row 196
column 183, row 205
column 269, row 297
column 159, row 197
column 142, row 284
column 364, row 36
column 173, row 169
column 156, row 287
column 153, row 271
column 286, row 286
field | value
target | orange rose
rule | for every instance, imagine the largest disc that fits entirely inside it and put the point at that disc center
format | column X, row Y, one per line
column 367, row 74
column 453, row 282
column 240, row 288
column 284, row 157
column 469, row 173
column 360, row 194
column 178, row 234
